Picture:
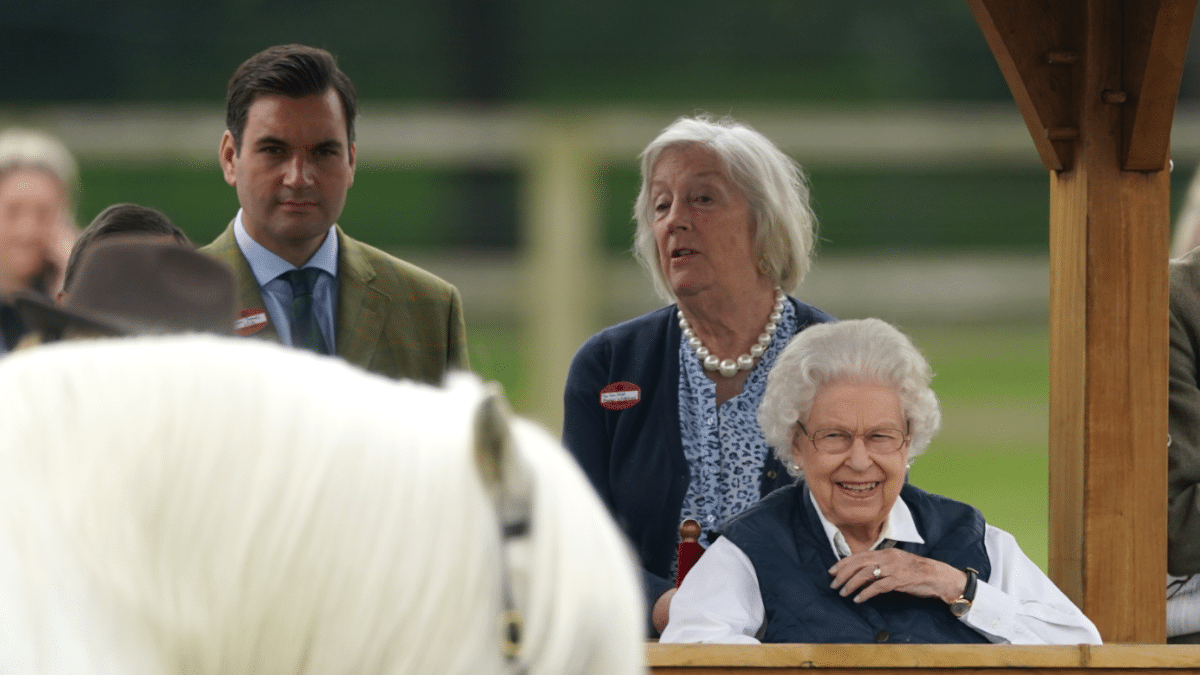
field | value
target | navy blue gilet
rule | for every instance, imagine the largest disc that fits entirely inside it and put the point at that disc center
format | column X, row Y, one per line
column 783, row 537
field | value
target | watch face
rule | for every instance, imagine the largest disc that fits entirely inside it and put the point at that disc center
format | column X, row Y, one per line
column 959, row 607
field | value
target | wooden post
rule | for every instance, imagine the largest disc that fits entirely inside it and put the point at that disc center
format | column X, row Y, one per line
column 1109, row 232
column 1108, row 364
column 1096, row 83
column 558, row 264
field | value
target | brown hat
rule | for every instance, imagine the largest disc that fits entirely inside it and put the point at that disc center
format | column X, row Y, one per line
column 138, row 286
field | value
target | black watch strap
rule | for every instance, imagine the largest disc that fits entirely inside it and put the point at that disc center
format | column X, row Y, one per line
column 968, row 593
column 962, row 604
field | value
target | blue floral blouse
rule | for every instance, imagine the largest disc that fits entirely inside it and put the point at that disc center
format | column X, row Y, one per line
column 724, row 447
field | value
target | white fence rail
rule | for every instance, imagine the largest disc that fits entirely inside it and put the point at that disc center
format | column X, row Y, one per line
column 559, row 153
column 938, row 135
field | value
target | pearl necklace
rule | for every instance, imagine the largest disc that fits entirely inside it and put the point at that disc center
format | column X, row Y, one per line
column 730, row 367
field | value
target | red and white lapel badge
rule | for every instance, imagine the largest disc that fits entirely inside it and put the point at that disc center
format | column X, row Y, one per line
column 620, row 395
column 250, row 321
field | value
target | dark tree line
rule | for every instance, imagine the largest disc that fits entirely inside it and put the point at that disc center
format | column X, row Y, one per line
column 773, row 51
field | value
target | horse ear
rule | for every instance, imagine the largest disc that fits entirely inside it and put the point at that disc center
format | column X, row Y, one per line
column 493, row 438
column 500, row 462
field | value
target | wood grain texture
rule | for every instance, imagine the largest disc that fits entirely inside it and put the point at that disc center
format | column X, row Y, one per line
column 1023, row 35
column 1138, row 465
column 1153, row 53
column 1125, row 407
column 1106, row 311
column 946, row 659
column 1068, row 376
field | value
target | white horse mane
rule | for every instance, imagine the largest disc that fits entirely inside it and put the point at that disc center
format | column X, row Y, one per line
column 203, row 505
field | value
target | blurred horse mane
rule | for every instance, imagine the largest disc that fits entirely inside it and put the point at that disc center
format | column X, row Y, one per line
column 203, row 505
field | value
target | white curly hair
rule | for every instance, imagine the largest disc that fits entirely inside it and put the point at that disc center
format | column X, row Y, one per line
column 862, row 350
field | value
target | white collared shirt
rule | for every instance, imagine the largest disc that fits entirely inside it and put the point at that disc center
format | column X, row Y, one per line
column 898, row 527
column 720, row 601
column 277, row 293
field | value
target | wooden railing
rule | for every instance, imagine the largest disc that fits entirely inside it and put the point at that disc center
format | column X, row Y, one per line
column 1128, row 659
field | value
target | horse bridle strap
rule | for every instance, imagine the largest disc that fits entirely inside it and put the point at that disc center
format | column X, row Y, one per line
column 512, row 623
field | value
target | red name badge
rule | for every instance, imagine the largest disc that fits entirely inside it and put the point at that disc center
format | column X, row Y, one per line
column 620, row 395
column 250, row 321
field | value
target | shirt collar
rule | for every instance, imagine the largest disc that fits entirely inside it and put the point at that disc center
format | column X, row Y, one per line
column 898, row 527
column 266, row 265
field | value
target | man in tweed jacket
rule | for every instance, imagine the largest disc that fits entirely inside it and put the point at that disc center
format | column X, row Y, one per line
column 288, row 150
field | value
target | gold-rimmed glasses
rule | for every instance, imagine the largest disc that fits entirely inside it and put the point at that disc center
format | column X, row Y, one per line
column 882, row 441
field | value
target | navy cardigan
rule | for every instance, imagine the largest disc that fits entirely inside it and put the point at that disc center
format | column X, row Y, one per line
column 630, row 448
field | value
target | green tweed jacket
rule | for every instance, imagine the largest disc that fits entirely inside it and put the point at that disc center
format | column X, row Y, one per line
column 393, row 318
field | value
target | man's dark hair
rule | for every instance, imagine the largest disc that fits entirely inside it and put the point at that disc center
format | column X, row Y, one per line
column 120, row 219
column 290, row 70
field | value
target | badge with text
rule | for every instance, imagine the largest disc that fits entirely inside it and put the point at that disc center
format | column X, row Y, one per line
column 620, row 395
column 250, row 321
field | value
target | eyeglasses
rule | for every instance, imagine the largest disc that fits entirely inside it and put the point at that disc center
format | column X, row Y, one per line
column 837, row 441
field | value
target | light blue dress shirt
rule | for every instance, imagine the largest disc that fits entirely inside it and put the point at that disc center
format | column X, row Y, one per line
column 277, row 293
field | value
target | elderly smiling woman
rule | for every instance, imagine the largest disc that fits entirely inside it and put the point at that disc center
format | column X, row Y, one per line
column 851, row 553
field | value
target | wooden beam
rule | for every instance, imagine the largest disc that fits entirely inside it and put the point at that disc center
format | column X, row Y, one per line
column 1068, row 378
column 1108, row 325
column 1036, row 45
column 1108, row 397
column 1154, row 47
column 942, row 659
column 1109, row 230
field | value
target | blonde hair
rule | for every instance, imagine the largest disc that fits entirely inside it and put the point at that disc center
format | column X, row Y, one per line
column 211, row 505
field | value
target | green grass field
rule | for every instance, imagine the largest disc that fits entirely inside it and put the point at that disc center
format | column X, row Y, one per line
column 992, row 451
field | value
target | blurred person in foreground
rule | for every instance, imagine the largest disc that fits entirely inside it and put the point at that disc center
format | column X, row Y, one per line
column 660, row 410
column 38, row 183
column 288, row 150
column 120, row 220
column 1183, row 452
column 137, row 285
column 850, row 552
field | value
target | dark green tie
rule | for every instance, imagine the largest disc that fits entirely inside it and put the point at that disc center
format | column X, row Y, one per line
column 306, row 334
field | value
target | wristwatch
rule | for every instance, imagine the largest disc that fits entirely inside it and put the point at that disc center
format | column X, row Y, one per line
column 963, row 604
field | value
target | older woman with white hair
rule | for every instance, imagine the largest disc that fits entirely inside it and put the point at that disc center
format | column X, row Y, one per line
column 38, row 182
column 660, row 411
column 851, row 552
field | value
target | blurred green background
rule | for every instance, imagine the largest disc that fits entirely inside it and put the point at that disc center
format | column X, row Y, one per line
column 687, row 56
